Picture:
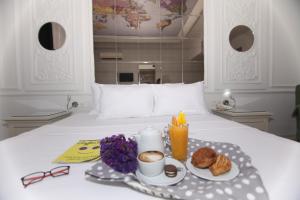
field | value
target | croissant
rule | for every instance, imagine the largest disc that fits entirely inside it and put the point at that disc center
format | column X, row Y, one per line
column 204, row 157
column 221, row 166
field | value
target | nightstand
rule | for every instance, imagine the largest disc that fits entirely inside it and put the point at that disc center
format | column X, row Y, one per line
column 256, row 119
column 23, row 123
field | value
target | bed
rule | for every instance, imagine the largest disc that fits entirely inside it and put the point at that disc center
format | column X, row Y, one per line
column 276, row 159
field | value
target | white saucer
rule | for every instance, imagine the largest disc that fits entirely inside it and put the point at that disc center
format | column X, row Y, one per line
column 206, row 174
column 162, row 179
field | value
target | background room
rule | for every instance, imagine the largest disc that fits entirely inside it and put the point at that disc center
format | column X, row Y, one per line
column 186, row 45
column 175, row 99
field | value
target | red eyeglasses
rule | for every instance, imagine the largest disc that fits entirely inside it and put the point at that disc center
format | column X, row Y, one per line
column 39, row 176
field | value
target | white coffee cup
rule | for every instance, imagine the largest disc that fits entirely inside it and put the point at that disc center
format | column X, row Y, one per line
column 151, row 163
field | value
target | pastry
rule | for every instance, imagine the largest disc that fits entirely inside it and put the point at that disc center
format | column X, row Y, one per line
column 221, row 166
column 170, row 170
column 204, row 157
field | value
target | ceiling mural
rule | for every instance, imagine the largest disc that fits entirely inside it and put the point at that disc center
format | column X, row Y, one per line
column 140, row 17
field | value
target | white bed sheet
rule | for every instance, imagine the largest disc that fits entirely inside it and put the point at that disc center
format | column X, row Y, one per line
column 277, row 159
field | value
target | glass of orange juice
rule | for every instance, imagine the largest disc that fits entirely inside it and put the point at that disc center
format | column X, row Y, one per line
column 179, row 141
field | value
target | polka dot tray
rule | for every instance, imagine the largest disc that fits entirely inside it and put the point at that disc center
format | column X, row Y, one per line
column 247, row 185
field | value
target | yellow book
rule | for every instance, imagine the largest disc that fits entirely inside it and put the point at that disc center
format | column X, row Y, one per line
column 82, row 151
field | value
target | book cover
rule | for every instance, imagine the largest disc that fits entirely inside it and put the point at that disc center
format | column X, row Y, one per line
column 82, row 151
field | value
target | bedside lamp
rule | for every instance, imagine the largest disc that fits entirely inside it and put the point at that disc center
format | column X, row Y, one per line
column 73, row 105
column 228, row 99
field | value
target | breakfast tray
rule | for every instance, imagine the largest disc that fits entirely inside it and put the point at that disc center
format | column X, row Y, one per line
column 247, row 185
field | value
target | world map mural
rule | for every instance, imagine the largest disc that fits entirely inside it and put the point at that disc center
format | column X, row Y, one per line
column 140, row 17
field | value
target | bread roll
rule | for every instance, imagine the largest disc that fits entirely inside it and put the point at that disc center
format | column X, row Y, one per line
column 221, row 166
column 204, row 157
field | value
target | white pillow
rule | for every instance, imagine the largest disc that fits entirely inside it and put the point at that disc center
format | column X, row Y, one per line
column 120, row 101
column 173, row 98
column 97, row 89
column 96, row 94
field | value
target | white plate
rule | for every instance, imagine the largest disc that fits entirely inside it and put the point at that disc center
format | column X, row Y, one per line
column 162, row 179
column 206, row 174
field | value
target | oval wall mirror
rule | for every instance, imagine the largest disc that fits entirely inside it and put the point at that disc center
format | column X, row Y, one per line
column 241, row 38
column 52, row 36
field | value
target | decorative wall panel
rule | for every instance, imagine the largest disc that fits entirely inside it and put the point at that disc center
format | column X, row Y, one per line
column 67, row 69
column 48, row 69
column 233, row 69
column 240, row 67
column 243, row 69
column 58, row 65
column 52, row 67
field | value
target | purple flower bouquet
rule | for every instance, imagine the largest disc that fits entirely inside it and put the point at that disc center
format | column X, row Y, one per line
column 119, row 153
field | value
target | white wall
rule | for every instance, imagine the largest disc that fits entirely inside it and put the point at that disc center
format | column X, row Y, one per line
column 264, row 77
column 286, row 43
column 33, row 78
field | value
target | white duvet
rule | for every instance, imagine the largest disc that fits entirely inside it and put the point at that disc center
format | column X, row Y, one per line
column 277, row 159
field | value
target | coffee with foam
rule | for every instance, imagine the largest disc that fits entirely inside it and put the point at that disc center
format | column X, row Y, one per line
column 151, row 156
